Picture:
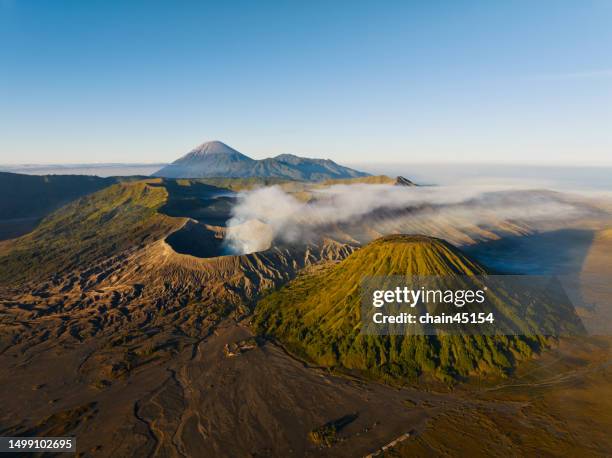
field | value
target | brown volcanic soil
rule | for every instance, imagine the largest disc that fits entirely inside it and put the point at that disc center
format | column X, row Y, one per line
column 128, row 354
column 264, row 403
column 564, row 408
column 202, row 403
column 122, row 354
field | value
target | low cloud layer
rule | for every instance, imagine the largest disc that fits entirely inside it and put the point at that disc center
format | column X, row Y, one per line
column 270, row 215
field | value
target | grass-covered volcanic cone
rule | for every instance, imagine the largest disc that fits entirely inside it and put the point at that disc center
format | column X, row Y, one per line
column 317, row 317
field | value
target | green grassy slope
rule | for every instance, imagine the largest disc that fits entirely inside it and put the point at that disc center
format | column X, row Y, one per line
column 317, row 316
column 93, row 227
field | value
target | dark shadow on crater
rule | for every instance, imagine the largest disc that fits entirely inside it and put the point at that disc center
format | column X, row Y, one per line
column 205, row 203
column 197, row 240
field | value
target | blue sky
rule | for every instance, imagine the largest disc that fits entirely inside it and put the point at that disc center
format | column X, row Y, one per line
column 130, row 81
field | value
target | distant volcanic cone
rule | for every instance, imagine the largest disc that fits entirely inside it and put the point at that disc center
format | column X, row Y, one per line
column 216, row 159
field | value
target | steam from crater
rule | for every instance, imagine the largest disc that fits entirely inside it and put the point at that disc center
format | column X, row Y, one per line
column 267, row 216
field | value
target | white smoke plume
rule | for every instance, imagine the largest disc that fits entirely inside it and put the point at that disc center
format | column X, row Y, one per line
column 270, row 215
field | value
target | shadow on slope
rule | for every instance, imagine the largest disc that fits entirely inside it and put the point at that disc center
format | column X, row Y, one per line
column 192, row 199
column 26, row 199
column 549, row 253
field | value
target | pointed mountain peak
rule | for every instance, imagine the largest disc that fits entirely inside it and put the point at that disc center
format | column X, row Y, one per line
column 214, row 155
column 216, row 159
column 401, row 254
column 213, row 147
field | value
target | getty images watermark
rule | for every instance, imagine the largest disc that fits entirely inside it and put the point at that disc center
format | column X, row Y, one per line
column 470, row 305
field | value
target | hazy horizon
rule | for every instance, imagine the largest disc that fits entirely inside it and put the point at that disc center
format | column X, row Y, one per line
column 556, row 177
column 534, row 162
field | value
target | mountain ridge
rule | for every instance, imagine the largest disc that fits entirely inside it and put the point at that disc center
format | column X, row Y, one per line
column 216, row 159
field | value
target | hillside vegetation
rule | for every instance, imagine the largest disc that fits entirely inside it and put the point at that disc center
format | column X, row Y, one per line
column 91, row 228
column 317, row 317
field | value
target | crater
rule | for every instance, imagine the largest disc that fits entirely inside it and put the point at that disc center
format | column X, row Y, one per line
column 199, row 240
column 209, row 209
column 207, row 241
